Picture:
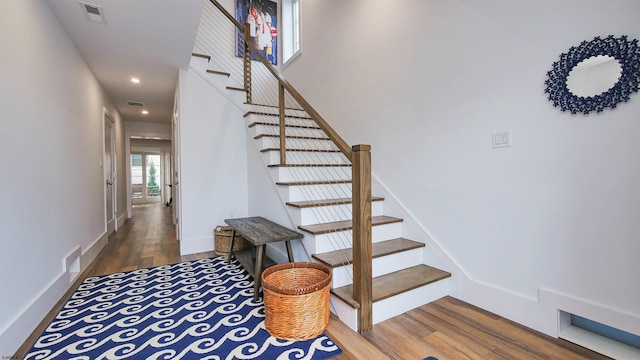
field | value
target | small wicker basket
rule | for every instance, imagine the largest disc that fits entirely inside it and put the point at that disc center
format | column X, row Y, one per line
column 296, row 300
column 223, row 241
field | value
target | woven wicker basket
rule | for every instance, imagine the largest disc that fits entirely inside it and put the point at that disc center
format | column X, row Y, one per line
column 296, row 300
column 223, row 241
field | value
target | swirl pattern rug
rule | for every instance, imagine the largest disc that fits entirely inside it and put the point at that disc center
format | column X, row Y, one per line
column 200, row 309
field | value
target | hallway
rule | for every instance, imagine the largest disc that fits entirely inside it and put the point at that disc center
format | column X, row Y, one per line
column 146, row 240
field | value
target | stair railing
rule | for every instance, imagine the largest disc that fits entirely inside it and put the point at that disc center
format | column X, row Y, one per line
column 358, row 155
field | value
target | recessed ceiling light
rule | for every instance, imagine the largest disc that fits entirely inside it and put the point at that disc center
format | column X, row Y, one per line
column 135, row 80
column 145, row 112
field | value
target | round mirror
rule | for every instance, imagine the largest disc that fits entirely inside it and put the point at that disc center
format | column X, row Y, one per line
column 594, row 76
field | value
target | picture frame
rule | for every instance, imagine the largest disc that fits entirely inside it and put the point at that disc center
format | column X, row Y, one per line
column 262, row 15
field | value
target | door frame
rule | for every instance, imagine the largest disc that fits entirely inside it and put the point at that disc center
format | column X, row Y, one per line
column 144, row 155
column 110, row 223
column 139, row 131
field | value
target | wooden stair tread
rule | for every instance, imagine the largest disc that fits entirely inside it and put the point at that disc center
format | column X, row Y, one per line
column 313, row 182
column 286, row 125
column 317, row 229
column 395, row 283
column 354, row 346
column 223, row 73
column 303, row 150
column 273, row 106
column 277, row 114
column 383, row 248
column 326, row 202
column 291, row 137
column 201, row 56
column 308, row 165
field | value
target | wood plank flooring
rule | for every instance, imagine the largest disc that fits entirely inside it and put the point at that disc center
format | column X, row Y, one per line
column 448, row 329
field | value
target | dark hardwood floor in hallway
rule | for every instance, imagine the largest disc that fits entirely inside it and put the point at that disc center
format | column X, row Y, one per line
column 448, row 329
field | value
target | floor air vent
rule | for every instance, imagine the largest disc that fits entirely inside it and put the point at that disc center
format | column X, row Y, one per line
column 599, row 337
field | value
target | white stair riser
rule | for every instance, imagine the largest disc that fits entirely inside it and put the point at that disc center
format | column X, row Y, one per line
column 393, row 306
column 343, row 275
column 275, row 120
column 401, row 303
column 202, row 65
column 305, row 157
column 321, row 214
column 342, row 239
column 308, row 241
column 199, row 63
column 274, row 142
column 315, row 192
column 236, row 95
column 289, row 131
column 305, row 173
column 345, row 313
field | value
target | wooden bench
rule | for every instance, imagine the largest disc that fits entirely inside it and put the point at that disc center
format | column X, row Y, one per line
column 259, row 232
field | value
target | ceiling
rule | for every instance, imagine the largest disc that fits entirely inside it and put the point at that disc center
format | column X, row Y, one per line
column 147, row 39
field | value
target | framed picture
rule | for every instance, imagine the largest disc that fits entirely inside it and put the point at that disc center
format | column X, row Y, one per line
column 262, row 17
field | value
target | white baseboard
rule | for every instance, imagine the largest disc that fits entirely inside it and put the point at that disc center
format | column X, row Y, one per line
column 25, row 321
column 515, row 307
column 543, row 313
column 92, row 251
column 121, row 219
column 196, row 245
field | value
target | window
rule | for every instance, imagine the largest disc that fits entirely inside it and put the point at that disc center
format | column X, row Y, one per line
column 146, row 178
column 290, row 29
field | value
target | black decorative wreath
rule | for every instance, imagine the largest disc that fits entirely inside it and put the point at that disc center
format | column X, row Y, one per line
column 626, row 52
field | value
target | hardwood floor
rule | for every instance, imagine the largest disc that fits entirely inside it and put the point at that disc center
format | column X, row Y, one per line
column 448, row 329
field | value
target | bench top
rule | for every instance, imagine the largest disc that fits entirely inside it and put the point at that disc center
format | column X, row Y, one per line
column 260, row 231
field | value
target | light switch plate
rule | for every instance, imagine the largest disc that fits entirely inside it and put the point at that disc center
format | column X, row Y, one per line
column 501, row 138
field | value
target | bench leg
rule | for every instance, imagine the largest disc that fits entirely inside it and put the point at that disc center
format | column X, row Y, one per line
column 233, row 237
column 289, row 250
column 258, row 271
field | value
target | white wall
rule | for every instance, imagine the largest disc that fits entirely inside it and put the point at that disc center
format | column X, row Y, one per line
column 51, row 182
column 426, row 82
column 213, row 162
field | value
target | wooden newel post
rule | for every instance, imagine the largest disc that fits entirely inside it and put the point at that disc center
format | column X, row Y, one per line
column 283, row 138
column 247, row 61
column 362, row 263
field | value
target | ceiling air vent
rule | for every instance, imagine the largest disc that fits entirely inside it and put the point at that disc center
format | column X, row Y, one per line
column 135, row 103
column 93, row 12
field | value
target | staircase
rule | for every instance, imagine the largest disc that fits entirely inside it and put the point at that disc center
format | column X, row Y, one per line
column 400, row 277
column 314, row 180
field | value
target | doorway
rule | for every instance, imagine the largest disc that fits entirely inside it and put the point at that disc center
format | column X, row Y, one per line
column 147, row 179
column 109, row 169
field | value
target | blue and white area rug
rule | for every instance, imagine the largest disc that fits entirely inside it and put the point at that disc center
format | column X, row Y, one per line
column 193, row 310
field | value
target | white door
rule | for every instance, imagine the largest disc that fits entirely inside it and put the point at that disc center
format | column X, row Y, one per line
column 109, row 175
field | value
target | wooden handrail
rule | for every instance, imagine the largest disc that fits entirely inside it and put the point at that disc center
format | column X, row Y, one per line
column 333, row 135
column 226, row 13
